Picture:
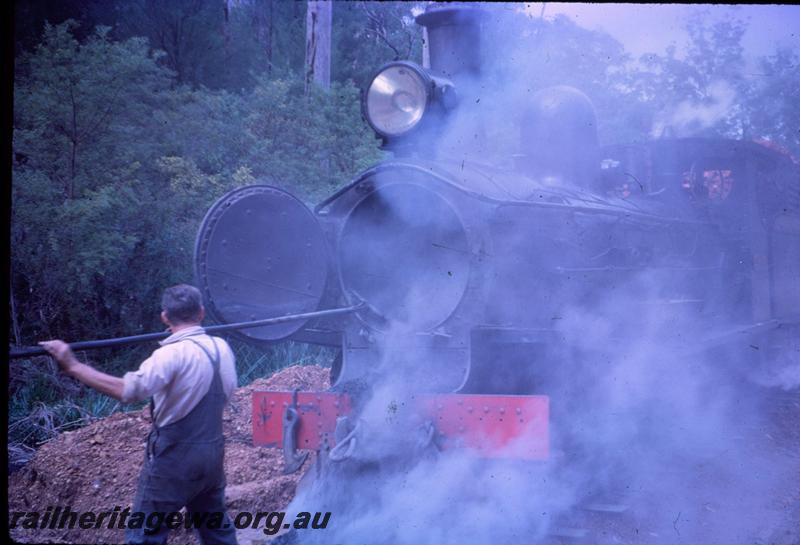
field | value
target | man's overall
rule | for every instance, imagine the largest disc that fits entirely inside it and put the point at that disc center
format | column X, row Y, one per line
column 184, row 467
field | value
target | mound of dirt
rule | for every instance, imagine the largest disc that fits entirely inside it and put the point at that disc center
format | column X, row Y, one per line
column 95, row 468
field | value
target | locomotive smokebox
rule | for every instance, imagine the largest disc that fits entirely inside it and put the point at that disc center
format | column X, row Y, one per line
column 454, row 39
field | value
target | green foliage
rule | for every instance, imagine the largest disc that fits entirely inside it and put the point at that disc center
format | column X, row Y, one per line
column 115, row 166
column 203, row 45
column 42, row 403
column 773, row 106
column 369, row 34
column 73, row 103
column 189, row 32
column 119, row 167
column 311, row 143
column 700, row 93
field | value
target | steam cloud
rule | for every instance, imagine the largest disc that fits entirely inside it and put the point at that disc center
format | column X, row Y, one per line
column 689, row 117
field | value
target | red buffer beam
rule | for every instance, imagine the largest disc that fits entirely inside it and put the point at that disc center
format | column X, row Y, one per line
column 492, row 426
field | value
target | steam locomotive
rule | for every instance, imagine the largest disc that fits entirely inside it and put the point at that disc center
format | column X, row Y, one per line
column 464, row 263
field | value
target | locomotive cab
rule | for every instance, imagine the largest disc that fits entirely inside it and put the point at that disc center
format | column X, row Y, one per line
column 748, row 191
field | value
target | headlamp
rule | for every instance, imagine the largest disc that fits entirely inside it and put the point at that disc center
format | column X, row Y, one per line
column 397, row 98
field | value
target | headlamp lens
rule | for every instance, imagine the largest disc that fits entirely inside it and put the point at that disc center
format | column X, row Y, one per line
column 396, row 100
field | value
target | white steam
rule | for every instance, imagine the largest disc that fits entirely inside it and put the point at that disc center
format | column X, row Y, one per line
column 691, row 116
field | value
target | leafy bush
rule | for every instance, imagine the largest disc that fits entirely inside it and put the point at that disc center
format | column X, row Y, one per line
column 115, row 168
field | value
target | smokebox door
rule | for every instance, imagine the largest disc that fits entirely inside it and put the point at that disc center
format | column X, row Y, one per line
column 260, row 253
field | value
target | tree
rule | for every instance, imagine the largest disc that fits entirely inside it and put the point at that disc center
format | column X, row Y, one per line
column 209, row 43
column 696, row 94
column 312, row 143
column 368, row 34
column 318, row 44
column 90, row 200
column 772, row 107
column 263, row 23
column 524, row 53
column 115, row 167
column 85, row 91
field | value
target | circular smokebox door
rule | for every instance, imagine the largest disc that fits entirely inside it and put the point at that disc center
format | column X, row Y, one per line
column 260, row 253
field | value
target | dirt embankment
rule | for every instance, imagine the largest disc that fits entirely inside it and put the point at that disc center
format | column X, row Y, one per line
column 96, row 467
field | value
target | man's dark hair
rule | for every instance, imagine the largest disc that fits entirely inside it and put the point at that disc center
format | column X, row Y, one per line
column 182, row 304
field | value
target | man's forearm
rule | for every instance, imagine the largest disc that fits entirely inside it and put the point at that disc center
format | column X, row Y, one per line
column 102, row 382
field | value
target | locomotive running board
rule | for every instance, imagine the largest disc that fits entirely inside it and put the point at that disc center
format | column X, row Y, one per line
column 492, row 426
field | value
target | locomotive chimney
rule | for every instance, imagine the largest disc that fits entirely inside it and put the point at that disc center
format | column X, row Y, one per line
column 454, row 39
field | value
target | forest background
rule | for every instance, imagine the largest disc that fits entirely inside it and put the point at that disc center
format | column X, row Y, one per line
column 131, row 117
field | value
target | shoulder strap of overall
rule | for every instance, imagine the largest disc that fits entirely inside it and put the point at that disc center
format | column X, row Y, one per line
column 214, row 364
column 214, row 360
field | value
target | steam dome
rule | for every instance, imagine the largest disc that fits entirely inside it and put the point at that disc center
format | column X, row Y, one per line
column 559, row 134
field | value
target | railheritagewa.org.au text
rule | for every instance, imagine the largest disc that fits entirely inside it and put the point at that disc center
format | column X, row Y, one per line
column 271, row 522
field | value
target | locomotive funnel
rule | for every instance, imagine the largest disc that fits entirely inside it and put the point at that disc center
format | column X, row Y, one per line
column 454, row 33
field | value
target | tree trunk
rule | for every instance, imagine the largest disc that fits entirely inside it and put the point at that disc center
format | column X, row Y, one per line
column 14, row 322
column 318, row 44
column 226, row 26
column 73, row 152
column 268, row 37
column 226, row 37
column 262, row 21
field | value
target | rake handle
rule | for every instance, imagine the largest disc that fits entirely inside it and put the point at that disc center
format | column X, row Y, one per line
column 30, row 351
